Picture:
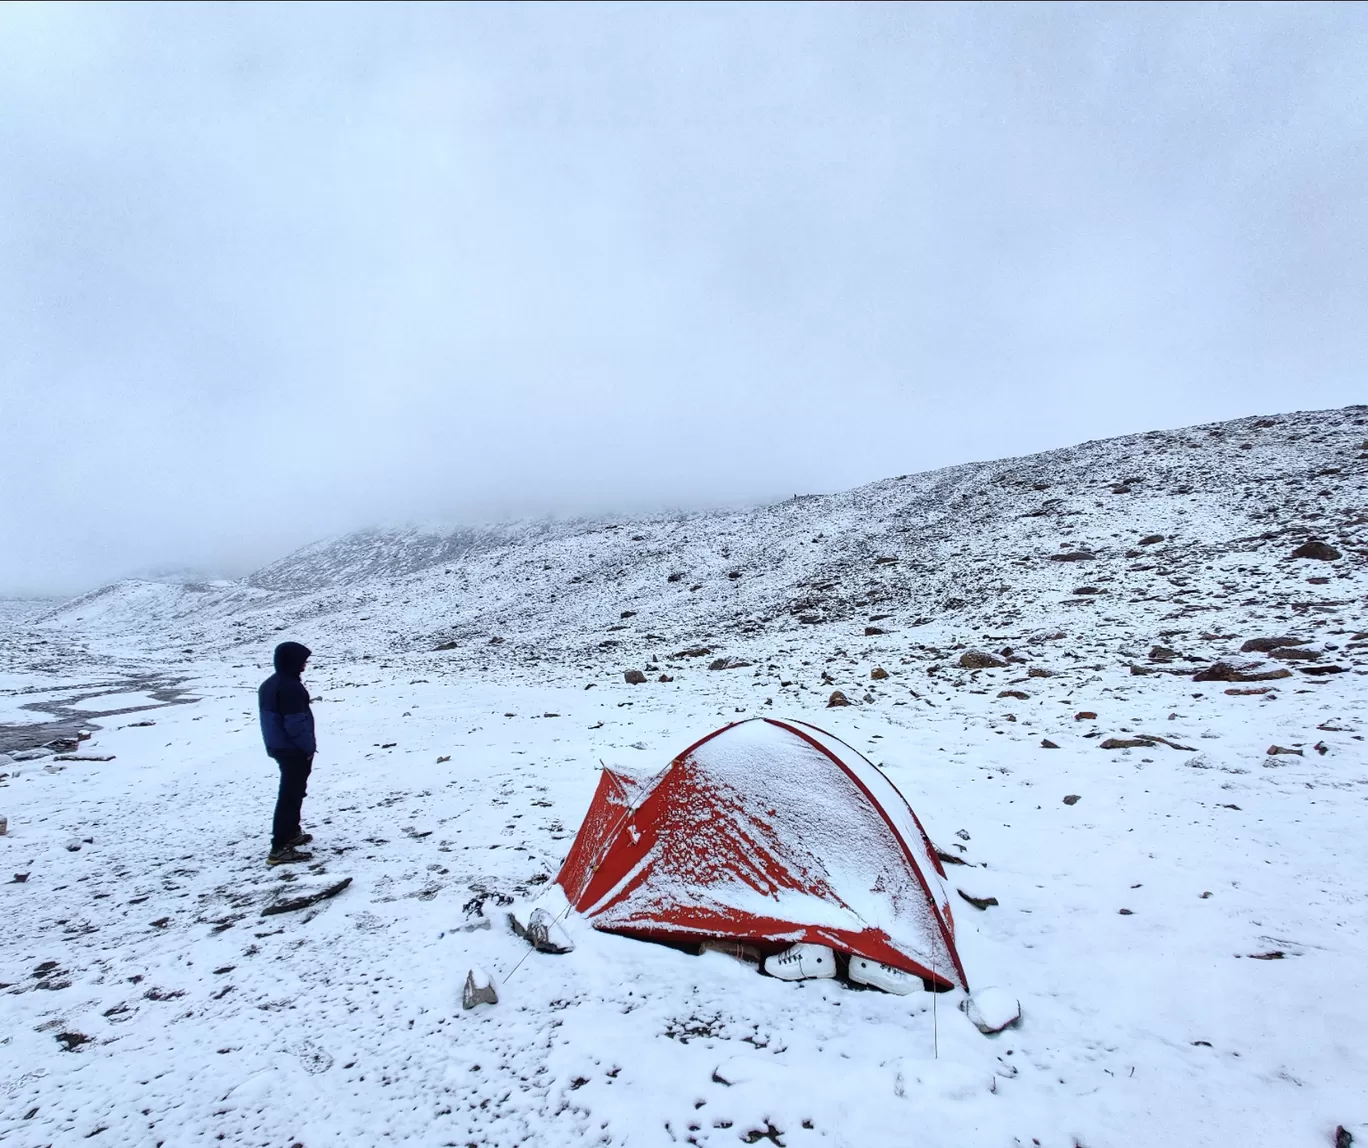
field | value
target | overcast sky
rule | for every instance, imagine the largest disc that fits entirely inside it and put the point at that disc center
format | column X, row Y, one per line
column 269, row 273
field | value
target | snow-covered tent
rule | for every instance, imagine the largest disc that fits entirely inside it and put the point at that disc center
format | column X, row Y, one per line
column 770, row 832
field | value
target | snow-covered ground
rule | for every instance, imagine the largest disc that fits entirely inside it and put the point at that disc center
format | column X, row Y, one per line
column 1188, row 940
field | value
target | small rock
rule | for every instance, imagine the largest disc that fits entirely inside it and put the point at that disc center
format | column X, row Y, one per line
column 1274, row 750
column 1343, row 1137
column 1039, row 672
column 1126, row 912
column 1020, row 695
column 1127, row 743
column 1046, row 743
column 981, row 903
column 665, row 678
column 1085, row 715
column 874, row 631
column 878, row 673
column 1162, row 654
column 444, row 760
column 1264, row 645
column 991, row 1010
column 677, row 576
column 1151, row 539
column 1073, row 556
column 1318, row 550
column 479, row 989
column 627, row 614
column 980, row 660
column 837, row 699
column 1293, row 654
column 1225, row 672
column 1072, row 799
column 634, row 678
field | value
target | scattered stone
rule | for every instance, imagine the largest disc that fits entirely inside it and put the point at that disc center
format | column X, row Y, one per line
column 981, row 903
column 693, row 652
column 1264, row 645
column 444, row 760
column 980, row 660
column 479, row 989
column 1046, row 743
column 627, row 614
column 1073, row 556
column 73, row 1040
column 887, row 560
column 19, row 878
column 1127, row 743
column 1318, row 550
column 727, row 664
column 1252, row 690
column 1126, row 912
column 1271, row 955
column 878, row 673
column 1020, row 695
column 1072, row 799
column 1274, row 750
column 1151, row 539
column 1322, row 670
column 991, row 1010
column 1225, row 672
column 634, row 678
column 678, row 576
column 496, row 641
column 874, row 631
column 296, row 903
column 1039, row 672
column 665, row 678
column 1162, row 654
column 1085, row 715
column 837, row 699
column 1343, row 1137
column 1085, row 590
column 1293, row 654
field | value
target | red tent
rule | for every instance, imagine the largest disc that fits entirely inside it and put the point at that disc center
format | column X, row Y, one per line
column 770, row 832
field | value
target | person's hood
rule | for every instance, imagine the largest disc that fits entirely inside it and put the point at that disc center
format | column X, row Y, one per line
column 290, row 658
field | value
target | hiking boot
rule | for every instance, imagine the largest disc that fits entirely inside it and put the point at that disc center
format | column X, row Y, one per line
column 863, row 971
column 299, row 839
column 802, row 961
column 287, row 856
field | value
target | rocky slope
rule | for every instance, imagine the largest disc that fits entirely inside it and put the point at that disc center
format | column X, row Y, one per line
column 1167, row 535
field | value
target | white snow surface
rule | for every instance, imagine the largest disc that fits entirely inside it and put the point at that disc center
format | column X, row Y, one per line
column 1188, row 941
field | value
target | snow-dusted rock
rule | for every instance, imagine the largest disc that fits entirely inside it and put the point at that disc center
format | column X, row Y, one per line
column 992, row 1009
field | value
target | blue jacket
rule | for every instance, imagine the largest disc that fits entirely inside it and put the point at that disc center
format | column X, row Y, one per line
column 286, row 720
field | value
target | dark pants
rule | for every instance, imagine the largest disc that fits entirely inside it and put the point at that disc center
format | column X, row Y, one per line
column 294, row 784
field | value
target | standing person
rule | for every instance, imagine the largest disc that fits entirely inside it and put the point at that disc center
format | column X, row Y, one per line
column 288, row 729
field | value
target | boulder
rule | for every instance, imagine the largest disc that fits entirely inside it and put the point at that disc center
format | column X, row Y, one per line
column 980, row 660
column 635, row 678
column 1318, row 550
column 1264, row 645
column 837, row 699
column 1293, row 654
column 1151, row 539
column 874, row 631
column 878, row 673
column 1225, row 672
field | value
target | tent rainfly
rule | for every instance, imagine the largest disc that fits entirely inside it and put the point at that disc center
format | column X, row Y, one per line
column 772, row 833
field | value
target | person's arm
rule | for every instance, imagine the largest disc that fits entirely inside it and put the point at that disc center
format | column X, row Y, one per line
column 298, row 718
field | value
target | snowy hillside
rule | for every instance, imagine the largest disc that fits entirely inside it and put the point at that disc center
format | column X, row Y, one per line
column 1168, row 629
